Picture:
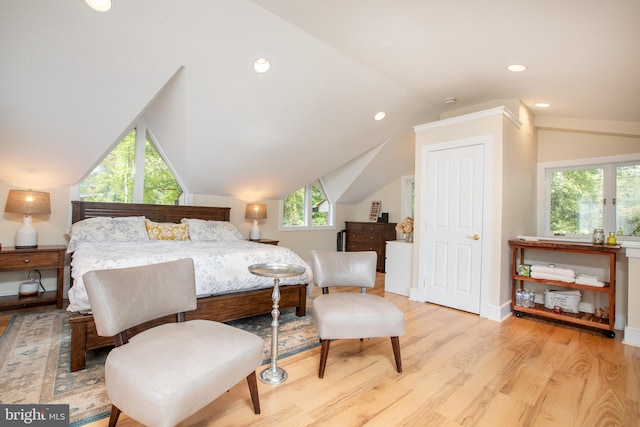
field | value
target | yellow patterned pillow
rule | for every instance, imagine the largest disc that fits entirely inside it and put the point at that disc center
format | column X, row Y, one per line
column 166, row 230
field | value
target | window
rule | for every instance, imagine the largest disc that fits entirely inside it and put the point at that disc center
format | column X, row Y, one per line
column 134, row 172
column 580, row 198
column 306, row 207
column 576, row 200
column 408, row 196
column 627, row 199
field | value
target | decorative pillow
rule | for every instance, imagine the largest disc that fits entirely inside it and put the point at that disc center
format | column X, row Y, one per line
column 200, row 230
column 167, row 230
column 107, row 229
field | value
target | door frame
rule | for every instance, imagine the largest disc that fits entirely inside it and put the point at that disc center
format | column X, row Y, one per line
column 486, row 141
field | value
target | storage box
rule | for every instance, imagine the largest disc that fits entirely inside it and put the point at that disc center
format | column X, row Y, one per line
column 524, row 270
column 568, row 301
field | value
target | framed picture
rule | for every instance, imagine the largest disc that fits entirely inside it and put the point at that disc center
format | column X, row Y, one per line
column 375, row 211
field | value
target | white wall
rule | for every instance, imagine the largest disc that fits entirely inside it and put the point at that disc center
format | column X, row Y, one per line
column 390, row 197
column 300, row 241
column 518, row 183
column 573, row 139
column 51, row 231
column 545, row 140
column 510, row 208
column 51, row 228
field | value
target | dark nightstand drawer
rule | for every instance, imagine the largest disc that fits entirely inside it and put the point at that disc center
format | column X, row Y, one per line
column 29, row 260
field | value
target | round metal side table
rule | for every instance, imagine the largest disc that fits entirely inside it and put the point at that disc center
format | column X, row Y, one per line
column 274, row 374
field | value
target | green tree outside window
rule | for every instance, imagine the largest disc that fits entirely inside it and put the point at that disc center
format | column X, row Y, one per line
column 583, row 199
column 113, row 179
column 307, row 206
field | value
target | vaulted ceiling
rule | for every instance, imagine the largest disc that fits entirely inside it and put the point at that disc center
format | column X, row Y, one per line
column 74, row 81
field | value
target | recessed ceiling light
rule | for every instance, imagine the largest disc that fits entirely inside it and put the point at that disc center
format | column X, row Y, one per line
column 379, row 116
column 261, row 65
column 99, row 5
column 517, row 68
column 541, row 104
column 449, row 100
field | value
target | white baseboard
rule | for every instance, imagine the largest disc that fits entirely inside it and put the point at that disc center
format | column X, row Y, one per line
column 418, row 294
column 631, row 337
column 497, row 313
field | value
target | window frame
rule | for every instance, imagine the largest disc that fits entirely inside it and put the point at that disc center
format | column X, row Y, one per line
column 142, row 132
column 608, row 164
column 307, row 211
column 407, row 196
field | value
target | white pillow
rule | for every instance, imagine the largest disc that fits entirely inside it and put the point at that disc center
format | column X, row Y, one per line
column 200, row 230
column 107, row 229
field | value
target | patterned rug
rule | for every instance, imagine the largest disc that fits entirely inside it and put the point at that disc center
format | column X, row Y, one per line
column 34, row 360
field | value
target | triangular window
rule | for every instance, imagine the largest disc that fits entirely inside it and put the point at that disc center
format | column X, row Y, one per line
column 307, row 207
column 122, row 177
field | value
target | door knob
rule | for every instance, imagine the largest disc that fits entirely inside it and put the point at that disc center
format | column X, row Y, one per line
column 474, row 237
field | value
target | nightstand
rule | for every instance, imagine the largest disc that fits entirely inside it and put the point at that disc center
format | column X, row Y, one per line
column 267, row 241
column 41, row 258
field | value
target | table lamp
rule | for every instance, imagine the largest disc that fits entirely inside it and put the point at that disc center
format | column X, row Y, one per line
column 27, row 202
column 255, row 211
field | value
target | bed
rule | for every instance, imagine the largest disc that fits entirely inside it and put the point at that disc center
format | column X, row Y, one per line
column 239, row 295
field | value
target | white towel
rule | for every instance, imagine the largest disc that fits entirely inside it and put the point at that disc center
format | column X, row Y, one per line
column 584, row 279
column 556, row 277
column 552, row 269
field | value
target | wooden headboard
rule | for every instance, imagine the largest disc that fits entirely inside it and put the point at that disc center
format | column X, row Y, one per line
column 158, row 213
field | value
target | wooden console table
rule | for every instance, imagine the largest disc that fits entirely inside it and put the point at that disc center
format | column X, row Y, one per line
column 586, row 319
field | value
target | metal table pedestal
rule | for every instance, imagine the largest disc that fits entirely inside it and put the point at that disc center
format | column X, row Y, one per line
column 274, row 374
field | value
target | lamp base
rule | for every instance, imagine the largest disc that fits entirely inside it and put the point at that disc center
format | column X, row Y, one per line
column 255, row 231
column 27, row 236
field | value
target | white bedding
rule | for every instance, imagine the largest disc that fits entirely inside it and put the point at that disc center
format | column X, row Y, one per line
column 221, row 267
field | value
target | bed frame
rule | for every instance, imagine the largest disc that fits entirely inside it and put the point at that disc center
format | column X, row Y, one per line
column 221, row 308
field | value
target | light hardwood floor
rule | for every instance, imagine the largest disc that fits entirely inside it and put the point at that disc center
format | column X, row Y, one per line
column 459, row 370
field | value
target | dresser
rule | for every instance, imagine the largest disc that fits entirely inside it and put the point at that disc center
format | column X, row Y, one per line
column 370, row 236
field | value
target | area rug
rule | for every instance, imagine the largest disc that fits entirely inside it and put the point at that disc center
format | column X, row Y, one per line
column 34, row 360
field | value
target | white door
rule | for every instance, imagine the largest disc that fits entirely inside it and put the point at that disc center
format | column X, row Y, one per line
column 451, row 246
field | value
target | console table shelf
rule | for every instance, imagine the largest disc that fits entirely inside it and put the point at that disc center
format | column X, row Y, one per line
column 586, row 319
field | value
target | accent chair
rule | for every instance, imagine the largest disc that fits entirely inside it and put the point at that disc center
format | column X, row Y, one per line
column 163, row 375
column 350, row 315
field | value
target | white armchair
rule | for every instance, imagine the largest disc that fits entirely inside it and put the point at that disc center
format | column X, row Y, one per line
column 344, row 315
column 166, row 373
